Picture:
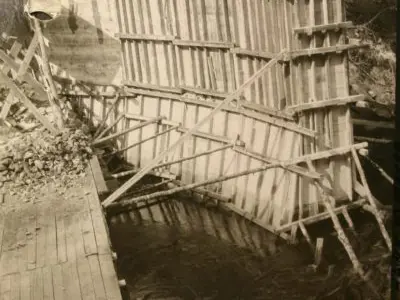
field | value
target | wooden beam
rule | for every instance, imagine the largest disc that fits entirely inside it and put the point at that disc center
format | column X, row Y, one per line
column 375, row 124
column 321, row 50
column 260, row 113
column 295, row 169
column 114, row 196
column 203, row 44
column 103, row 133
column 118, row 134
column 322, row 216
column 372, row 140
column 324, row 103
column 370, row 199
column 253, row 53
column 28, row 104
column 103, row 122
column 145, row 118
column 324, row 27
column 145, row 37
column 324, row 154
column 207, row 136
column 144, row 140
column 153, row 87
column 204, row 92
column 28, row 57
column 203, row 192
column 161, row 174
column 98, row 177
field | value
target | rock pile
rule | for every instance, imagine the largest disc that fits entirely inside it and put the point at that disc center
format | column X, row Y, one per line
column 32, row 159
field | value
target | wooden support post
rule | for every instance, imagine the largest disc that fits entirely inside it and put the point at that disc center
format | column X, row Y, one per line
column 110, row 127
column 103, row 122
column 114, row 196
column 28, row 57
column 376, row 166
column 118, row 134
column 318, row 252
column 17, row 92
column 371, row 200
column 306, row 235
column 99, row 181
column 48, row 78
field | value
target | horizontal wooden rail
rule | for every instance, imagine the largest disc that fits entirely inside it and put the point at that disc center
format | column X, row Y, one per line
column 164, row 121
column 207, row 136
column 376, row 124
column 321, row 50
column 145, row 37
column 118, row 134
column 253, row 53
column 322, row 216
column 116, row 194
column 162, row 174
column 203, row 192
column 204, row 92
column 372, row 140
column 255, row 108
column 324, row 103
column 324, row 27
column 324, row 154
column 174, row 90
column 203, row 44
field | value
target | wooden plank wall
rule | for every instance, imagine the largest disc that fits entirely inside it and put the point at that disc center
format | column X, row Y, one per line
column 319, row 77
column 180, row 50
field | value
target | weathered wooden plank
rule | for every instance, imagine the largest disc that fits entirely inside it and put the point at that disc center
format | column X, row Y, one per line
column 97, row 278
column 37, row 287
column 152, row 87
column 61, row 239
column 203, row 44
column 109, row 278
column 70, row 280
column 101, row 185
column 144, row 37
column 48, row 291
column 58, row 288
column 26, row 287
column 5, row 287
column 15, row 286
column 317, row 104
column 322, row 28
column 85, row 279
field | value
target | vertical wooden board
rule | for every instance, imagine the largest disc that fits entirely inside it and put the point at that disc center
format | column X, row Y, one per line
column 109, row 278
column 87, row 230
column 85, row 279
column 208, row 226
column 156, row 213
column 56, row 273
column 147, row 148
column 201, row 170
column 220, row 225
column 188, row 146
column 252, row 186
column 102, row 242
column 31, row 241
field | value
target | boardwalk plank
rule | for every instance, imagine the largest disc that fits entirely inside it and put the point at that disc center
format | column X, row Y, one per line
column 97, row 278
column 48, row 293
column 110, row 281
column 31, row 242
column 37, row 280
column 69, row 238
column 77, row 235
column 5, row 287
column 56, row 272
column 41, row 231
column 88, row 233
column 15, row 286
column 70, row 281
column 26, row 285
column 61, row 239
column 85, row 279
column 51, row 241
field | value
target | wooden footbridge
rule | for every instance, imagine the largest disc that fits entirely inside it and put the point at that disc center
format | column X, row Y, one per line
column 243, row 102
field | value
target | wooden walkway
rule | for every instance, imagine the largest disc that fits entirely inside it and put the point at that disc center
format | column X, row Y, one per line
column 56, row 248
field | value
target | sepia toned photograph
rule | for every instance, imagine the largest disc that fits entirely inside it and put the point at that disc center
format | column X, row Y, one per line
column 198, row 150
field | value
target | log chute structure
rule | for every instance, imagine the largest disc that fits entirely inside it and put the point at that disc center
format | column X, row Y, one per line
column 248, row 100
